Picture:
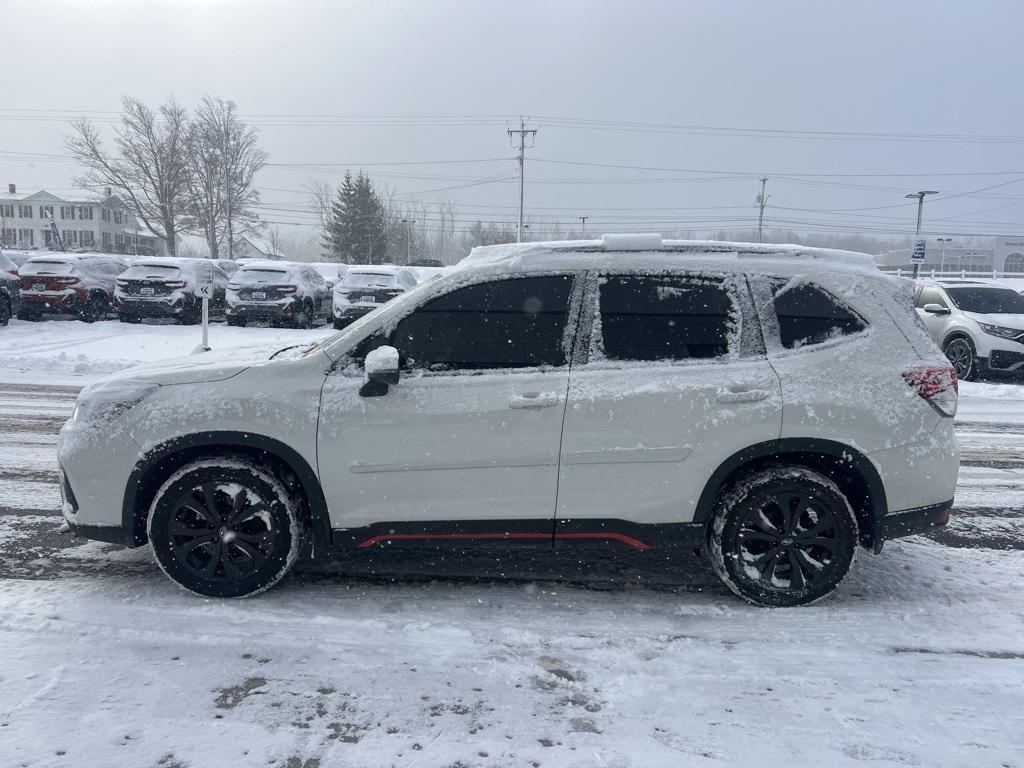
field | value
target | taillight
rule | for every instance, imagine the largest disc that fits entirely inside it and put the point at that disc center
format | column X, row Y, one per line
column 175, row 284
column 937, row 385
column 67, row 280
column 392, row 292
column 287, row 288
column 13, row 271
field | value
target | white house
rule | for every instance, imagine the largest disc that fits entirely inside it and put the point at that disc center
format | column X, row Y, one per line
column 253, row 247
column 84, row 224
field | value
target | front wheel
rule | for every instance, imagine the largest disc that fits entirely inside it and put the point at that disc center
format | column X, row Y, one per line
column 960, row 353
column 783, row 536
column 224, row 527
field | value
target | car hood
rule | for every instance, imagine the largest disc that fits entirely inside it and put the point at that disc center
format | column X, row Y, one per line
column 215, row 365
column 1005, row 320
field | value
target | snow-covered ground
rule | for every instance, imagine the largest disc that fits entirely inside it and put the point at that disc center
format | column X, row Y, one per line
column 69, row 351
column 481, row 659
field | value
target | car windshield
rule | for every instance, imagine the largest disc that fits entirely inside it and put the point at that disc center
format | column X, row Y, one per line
column 140, row 271
column 259, row 275
column 988, row 301
column 46, row 268
column 369, row 280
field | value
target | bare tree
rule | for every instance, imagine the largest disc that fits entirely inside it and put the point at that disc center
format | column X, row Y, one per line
column 321, row 197
column 206, row 182
column 149, row 174
column 242, row 159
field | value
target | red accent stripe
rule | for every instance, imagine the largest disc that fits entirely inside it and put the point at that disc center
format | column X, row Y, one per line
column 635, row 543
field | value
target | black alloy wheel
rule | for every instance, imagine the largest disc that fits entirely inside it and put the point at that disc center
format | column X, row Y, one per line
column 224, row 528
column 960, row 353
column 784, row 537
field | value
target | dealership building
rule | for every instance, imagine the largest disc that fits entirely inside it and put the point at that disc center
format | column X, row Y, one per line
column 950, row 254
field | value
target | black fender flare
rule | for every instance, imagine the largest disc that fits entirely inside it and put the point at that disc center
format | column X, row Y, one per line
column 768, row 450
column 162, row 457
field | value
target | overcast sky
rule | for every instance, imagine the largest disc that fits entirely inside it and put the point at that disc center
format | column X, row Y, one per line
column 310, row 74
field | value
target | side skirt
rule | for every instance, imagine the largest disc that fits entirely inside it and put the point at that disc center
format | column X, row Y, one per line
column 562, row 534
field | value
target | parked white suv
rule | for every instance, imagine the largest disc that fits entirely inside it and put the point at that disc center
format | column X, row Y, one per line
column 980, row 326
column 775, row 405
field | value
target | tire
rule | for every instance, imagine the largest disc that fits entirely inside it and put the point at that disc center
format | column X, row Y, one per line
column 304, row 319
column 29, row 315
column 340, row 324
column 5, row 311
column 126, row 318
column 236, row 322
column 961, row 354
column 771, row 556
column 95, row 309
column 193, row 315
column 208, row 544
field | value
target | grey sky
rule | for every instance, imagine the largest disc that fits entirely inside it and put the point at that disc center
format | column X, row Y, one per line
column 876, row 67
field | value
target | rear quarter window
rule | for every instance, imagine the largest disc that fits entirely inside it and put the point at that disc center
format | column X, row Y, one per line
column 807, row 314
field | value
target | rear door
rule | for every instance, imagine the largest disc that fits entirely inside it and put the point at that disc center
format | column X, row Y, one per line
column 466, row 444
column 675, row 382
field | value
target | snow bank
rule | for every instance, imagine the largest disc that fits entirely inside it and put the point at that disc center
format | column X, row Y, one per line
column 68, row 350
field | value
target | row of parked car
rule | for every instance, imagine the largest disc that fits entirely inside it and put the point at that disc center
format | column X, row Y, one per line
column 97, row 286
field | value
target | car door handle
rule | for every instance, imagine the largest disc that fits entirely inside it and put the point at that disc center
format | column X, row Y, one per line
column 533, row 400
column 743, row 396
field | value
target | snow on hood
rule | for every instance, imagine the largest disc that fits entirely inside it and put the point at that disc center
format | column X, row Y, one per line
column 994, row 318
column 215, row 365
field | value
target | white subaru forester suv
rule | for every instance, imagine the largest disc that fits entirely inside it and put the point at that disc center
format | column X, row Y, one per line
column 775, row 406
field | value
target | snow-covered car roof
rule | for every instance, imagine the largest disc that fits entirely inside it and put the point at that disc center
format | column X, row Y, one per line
column 650, row 251
column 268, row 264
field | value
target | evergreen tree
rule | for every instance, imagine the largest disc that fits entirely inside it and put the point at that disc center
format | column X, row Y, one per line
column 356, row 232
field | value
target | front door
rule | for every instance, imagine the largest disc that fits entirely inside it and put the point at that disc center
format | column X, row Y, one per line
column 675, row 383
column 471, row 432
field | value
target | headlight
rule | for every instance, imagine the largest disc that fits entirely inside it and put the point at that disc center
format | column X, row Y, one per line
column 1001, row 331
column 107, row 400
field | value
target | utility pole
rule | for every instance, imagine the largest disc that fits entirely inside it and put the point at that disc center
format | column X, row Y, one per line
column 522, row 132
column 583, row 227
column 762, row 201
column 920, row 210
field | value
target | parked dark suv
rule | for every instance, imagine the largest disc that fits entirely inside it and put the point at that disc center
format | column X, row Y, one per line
column 9, row 294
column 282, row 292
column 166, row 287
column 62, row 284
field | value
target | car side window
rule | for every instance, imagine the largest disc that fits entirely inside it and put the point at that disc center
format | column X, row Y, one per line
column 930, row 295
column 517, row 323
column 809, row 315
column 665, row 318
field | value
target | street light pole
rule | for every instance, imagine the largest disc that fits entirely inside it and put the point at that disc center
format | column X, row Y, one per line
column 920, row 210
column 408, row 238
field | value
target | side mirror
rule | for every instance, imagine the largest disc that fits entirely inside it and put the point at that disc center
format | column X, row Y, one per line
column 935, row 309
column 381, row 371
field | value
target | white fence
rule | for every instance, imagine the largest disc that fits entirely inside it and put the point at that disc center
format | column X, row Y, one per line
column 950, row 274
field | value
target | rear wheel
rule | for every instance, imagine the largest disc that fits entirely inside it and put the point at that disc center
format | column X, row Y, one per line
column 5, row 310
column 192, row 315
column 962, row 356
column 124, row 317
column 28, row 314
column 783, row 536
column 339, row 324
column 234, row 321
column 305, row 317
column 96, row 308
column 224, row 527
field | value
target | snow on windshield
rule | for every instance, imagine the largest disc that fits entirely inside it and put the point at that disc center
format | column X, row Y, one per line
column 46, row 268
column 150, row 270
column 259, row 275
column 988, row 301
column 368, row 280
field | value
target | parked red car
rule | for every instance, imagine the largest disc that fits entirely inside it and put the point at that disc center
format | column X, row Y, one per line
column 61, row 284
